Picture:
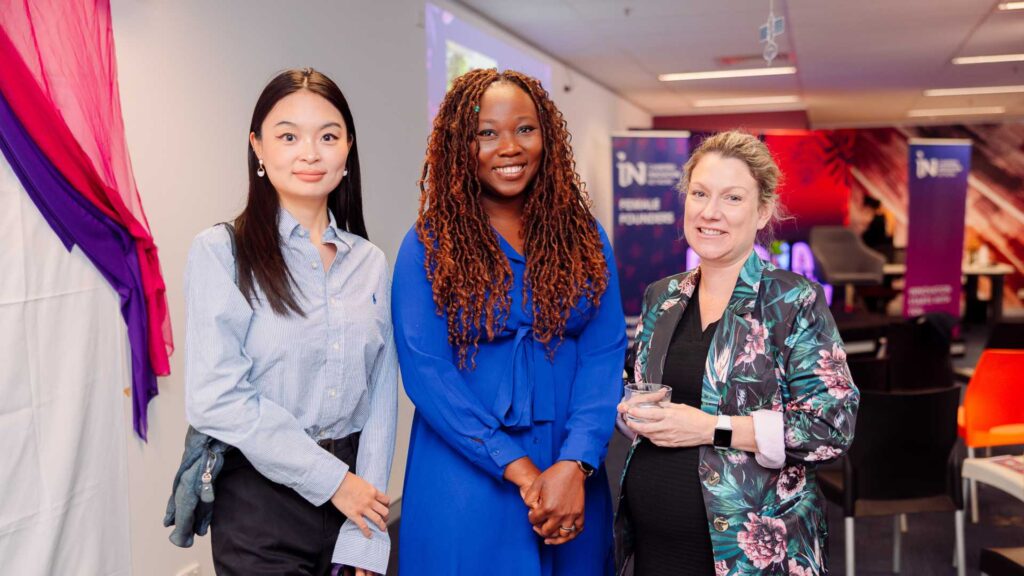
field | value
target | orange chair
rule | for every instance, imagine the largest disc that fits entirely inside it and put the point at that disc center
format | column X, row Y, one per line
column 993, row 409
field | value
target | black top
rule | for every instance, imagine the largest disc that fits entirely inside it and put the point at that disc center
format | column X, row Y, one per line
column 663, row 490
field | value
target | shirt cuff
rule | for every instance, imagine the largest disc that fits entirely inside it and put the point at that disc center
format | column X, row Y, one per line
column 769, row 434
column 357, row 551
column 503, row 450
column 323, row 481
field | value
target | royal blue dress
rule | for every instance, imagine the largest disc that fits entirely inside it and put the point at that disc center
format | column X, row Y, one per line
column 459, row 516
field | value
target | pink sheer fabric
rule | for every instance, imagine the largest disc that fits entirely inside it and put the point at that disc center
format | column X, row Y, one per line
column 60, row 78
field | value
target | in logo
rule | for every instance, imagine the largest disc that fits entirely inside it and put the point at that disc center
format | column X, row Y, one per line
column 926, row 167
column 630, row 172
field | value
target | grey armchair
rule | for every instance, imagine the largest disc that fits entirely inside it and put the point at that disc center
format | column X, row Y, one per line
column 844, row 260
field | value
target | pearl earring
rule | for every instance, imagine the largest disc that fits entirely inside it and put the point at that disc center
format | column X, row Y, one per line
column 345, row 173
column 260, row 171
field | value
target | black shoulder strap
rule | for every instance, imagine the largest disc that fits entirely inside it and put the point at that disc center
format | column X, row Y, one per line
column 234, row 249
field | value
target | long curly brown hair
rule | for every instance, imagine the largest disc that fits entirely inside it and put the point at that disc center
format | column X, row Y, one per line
column 470, row 275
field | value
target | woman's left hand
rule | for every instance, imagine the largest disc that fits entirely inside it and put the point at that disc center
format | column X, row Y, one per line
column 557, row 499
column 359, row 572
column 673, row 425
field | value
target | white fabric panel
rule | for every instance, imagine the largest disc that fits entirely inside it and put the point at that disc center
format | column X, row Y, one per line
column 63, row 369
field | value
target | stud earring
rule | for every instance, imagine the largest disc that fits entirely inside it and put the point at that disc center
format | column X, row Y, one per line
column 345, row 173
column 260, row 171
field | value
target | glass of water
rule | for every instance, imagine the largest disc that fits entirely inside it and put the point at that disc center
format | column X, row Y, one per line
column 647, row 395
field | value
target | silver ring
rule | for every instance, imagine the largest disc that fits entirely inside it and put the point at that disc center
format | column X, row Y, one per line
column 570, row 529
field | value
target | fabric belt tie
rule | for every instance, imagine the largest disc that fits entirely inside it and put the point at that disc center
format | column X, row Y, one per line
column 526, row 394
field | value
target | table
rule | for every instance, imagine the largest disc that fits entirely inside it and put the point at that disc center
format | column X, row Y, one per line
column 997, row 471
column 1004, row 472
column 997, row 272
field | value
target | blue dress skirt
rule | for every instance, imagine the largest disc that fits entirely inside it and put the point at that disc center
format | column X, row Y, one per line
column 459, row 516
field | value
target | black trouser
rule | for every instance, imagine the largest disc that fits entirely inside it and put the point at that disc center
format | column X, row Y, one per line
column 260, row 527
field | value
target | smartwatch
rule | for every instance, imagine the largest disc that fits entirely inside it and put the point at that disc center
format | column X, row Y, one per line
column 723, row 432
column 587, row 469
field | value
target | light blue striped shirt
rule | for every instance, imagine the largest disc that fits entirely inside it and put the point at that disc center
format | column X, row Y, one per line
column 273, row 385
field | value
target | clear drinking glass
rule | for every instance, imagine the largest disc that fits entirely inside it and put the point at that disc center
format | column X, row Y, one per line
column 647, row 395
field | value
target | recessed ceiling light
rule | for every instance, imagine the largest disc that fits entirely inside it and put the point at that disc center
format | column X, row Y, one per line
column 742, row 73
column 973, row 91
column 989, row 59
column 753, row 101
column 1011, row 6
column 956, row 111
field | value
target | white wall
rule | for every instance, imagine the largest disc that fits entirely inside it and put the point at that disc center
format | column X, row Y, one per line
column 190, row 73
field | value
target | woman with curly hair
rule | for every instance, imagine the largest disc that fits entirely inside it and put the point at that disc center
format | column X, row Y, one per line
column 511, row 340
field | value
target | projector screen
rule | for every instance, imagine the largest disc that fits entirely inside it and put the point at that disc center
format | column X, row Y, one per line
column 455, row 47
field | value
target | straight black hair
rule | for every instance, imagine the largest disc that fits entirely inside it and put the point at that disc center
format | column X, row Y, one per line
column 260, row 260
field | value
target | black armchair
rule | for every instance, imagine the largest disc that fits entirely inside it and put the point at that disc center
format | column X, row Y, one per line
column 1006, row 335
column 869, row 373
column 918, row 352
column 902, row 461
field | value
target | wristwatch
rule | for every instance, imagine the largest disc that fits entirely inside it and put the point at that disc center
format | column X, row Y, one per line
column 587, row 469
column 723, row 432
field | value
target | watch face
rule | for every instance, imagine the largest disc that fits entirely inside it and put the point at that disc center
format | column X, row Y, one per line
column 723, row 438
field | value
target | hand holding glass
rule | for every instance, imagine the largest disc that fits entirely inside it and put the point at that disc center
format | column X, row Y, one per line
column 646, row 395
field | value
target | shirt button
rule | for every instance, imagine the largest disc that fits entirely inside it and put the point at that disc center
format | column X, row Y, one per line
column 332, row 392
column 721, row 524
column 334, row 301
column 336, row 346
column 312, row 265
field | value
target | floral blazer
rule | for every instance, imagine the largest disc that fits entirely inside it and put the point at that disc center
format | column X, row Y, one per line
column 775, row 348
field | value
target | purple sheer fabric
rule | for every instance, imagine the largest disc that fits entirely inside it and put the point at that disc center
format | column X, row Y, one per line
column 107, row 245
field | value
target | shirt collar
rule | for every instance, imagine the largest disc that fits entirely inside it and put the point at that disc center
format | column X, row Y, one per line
column 287, row 226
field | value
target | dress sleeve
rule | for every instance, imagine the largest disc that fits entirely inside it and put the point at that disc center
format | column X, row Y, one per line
column 597, row 388
column 432, row 381
column 219, row 399
column 819, row 398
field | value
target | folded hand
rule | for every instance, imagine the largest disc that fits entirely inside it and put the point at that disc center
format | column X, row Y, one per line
column 556, row 501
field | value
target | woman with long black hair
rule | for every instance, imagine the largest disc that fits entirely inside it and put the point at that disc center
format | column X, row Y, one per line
column 290, row 357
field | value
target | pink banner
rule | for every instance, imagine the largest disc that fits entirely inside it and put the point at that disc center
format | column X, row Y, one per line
column 935, row 239
column 59, row 77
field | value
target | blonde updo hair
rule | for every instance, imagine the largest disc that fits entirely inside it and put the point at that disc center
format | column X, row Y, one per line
column 751, row 151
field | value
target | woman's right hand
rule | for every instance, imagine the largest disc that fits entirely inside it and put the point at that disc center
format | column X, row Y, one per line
column 522, row 472
column 358, row 499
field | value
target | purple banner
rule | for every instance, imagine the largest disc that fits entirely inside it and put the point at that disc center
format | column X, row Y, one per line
column 646, row 209
column 937, row 186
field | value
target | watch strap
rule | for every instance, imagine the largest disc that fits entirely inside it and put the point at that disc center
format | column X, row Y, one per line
column 587, row 469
